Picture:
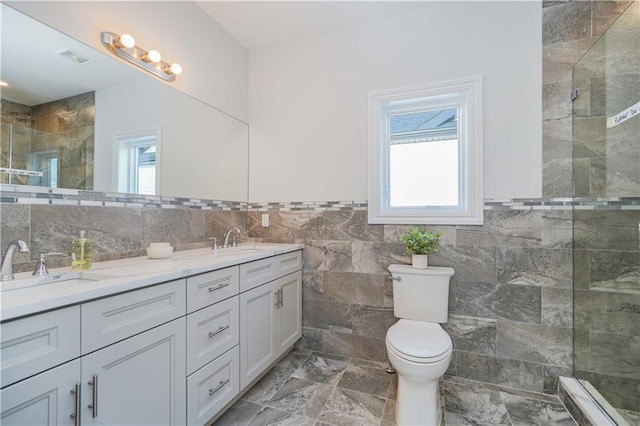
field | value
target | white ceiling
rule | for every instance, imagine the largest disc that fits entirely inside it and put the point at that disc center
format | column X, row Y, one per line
column 257, row 24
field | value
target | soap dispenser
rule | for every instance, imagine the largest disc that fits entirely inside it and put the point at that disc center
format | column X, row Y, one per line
column 81, row 252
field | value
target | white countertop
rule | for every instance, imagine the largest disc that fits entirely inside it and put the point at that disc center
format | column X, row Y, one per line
column 125, row 275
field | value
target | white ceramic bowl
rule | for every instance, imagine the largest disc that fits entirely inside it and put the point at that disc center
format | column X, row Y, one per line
column 159, row 251
column 159, row 245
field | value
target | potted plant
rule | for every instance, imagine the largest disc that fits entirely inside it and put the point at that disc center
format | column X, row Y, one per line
column 419, row 243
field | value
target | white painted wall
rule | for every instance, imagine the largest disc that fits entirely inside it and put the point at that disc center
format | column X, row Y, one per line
column 203, row 151
column 308, row 98
column 214, row 63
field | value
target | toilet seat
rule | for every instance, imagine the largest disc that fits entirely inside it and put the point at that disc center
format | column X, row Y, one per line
column 418, row 341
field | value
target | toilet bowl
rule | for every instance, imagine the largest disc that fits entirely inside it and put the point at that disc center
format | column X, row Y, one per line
column 417, row 346
column 420, row 353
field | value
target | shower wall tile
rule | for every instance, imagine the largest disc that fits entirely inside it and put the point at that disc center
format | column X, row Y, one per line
column 557, row 138
column 606, row 229
column 556, row 101
column 557, row 229
column 621, row 392
column 556, row 178
column 504, row 228
column 615, row 354
column 559, row 58
column 605, row 13
column 471, row 263
column 566, row 22
column 358, row 288
column 554, row 306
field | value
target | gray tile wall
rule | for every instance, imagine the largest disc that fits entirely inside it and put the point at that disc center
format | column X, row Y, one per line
column 117, row 232
column 510, row 300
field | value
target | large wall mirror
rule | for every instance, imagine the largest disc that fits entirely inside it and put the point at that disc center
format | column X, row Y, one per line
column 74, row 117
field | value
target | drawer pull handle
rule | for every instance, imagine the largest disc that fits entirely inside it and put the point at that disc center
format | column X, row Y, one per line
column 218, row 287
column 76, row 409
column 94, row 400
column 218, row 331
column 217, row 388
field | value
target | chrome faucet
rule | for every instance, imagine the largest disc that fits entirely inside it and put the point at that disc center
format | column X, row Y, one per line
column 225, row 244
column 6, row 269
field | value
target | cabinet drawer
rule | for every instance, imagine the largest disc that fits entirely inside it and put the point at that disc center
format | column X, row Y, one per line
column 33, row 344
column 211, row 332
column 212, row 287
column 212, row 387
column 262, row 271
column 115, row 318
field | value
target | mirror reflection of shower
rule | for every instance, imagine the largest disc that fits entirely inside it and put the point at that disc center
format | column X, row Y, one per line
column 48, row 145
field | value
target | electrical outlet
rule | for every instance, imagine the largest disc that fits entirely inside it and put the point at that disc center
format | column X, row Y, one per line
column 265, row 220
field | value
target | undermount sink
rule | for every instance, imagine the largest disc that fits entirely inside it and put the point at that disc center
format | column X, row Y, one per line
column 61, row 280
column 240, row 250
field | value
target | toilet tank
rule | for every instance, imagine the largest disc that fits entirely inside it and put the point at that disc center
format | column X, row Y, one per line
column 421, row 294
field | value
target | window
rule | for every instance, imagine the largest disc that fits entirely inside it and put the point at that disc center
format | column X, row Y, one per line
column 425, row 154
column 138, row 161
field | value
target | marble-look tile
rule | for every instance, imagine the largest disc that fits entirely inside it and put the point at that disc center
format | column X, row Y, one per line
column 510, row 372
column 393, row 387
column 557, row 307
column 111, row 229
column 559, row 58
column 557, row 229
column 590, row 137
column 374, row 381
column 239, row 414
column 311, row 339
column 291, row 226
column 312, row 284
column 326, row 255
column 556, row 102
column 353, row 287
column 551, row 375
column 350, row 408
column 173, row 226
column 581, row 349
column 557, row 178
column 531, row 266
column 472, row 334
column 272, row 417
column 496, row 301
column 393, row 233
column 471, row 263
column 15, row 224
column 570, row 21
column 615, row 354
column 623, row 313
column 375, row 258
column 216, row 223
column 590, row 310
column 504, row 228
column 613, row 269
column 350, row 225
column 605, row 13
column 389, row 413
column 453, row 365
column 632, row 417
column 322, row 313
column 290, row 362
column 606, row 229
column 528, row 411
column 372, row 321
column 621, row 392
column 475, row 402
column 321, row 369
column 352, row 345
column 266, row 387
column 557, row 139
column 254, row 225
column 453, row 419
column 301, row 397
column 535, row 343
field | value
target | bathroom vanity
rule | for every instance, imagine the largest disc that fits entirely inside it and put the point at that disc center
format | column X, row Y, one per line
column 140, row 341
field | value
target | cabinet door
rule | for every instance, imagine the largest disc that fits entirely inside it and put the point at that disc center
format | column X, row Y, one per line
column 44, row 399
column 140, row 381
column 290, row 312
column 258, row 347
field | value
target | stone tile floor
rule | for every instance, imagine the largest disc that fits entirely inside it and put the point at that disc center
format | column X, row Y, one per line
column 312, row 388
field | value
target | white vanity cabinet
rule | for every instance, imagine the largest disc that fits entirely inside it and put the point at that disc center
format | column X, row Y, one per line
column 270, row 322
column 46, row 399
column 170, row 353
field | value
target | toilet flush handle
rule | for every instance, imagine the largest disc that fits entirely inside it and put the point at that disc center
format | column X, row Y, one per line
column 392, row 278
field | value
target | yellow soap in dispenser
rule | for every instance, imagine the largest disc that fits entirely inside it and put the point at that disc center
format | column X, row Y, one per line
column 81, row 252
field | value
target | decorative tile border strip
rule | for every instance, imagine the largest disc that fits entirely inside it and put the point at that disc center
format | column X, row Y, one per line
column 567, row 203
column 19, row 194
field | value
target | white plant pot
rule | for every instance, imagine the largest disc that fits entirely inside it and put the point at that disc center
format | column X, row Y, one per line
column 420, row 261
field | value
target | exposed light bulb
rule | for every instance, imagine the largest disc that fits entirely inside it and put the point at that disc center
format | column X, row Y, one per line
column 175, row 69
column 152, row 56
column 126, row 40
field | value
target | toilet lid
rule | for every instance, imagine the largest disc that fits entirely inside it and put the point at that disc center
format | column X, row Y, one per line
column 419, row 339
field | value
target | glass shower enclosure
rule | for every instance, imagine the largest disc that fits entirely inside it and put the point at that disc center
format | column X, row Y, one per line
column 606, row 218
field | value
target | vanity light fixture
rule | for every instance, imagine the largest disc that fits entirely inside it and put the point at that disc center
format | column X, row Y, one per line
column 124, row 47
column 3, row 84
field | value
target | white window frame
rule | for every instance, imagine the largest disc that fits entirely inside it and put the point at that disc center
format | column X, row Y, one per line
column 466, row 95
column 123, row 158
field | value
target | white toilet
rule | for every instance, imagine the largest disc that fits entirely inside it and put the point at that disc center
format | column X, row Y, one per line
column 418, row 348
